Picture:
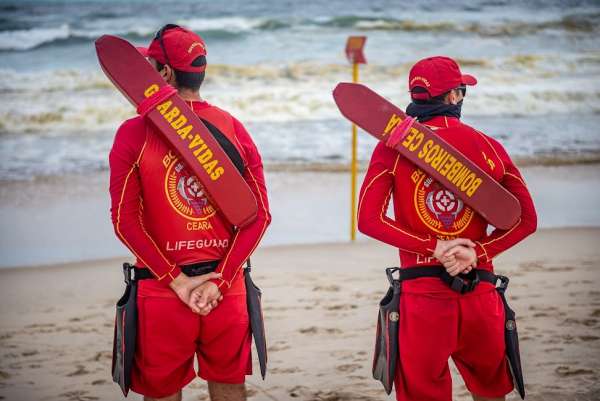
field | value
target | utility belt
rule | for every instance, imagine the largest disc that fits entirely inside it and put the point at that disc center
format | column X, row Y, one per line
column 133, row 273
column 462, row 283
column 125, row 333
column 386, row 343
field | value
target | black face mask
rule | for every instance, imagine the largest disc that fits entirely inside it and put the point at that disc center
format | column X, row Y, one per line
column 426, row 111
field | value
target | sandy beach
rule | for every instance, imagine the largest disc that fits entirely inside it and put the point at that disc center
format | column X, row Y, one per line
column 320, row 305
column 273, row 65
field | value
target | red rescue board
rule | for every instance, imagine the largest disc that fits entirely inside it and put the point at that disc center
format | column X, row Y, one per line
column 137, row 80
column 474, row 186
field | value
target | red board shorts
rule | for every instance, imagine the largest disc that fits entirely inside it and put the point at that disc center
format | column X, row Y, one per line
column 170, row 335
column 468, row 328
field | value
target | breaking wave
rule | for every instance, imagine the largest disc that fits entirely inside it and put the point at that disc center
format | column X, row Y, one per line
column 22, row 39
column 512, row 86
column 17, row 38
column 585, row 22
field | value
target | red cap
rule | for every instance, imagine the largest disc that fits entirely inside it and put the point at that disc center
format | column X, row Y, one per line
column 437, row 75
column 182, row 47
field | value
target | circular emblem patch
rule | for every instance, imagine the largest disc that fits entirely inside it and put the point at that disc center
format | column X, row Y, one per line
column 186, row 194
column 439, row 208
column 394, row 316
column 510, row 325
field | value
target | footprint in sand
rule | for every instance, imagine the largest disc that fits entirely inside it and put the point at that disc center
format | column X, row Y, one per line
column 339, row 396
column 531, row 266
column 83, row 329
column 589, row 338
column 316, row 330
column 284, row 370
column 552, row 340
column 542, row 308
column 309, row 330
column 565, row 371
column 107, row 355
column 560, row 269
column 279, row 346
column 586, row 322
column 327, row 288
column 341, row 307
column 84, row 318
column 81, row 370
column 39, row 325
column 6, row 336
column 342, row 354
column 42, row 328
column 567, row 339
column 78, row 396
column 348, row 368
column 297, row 391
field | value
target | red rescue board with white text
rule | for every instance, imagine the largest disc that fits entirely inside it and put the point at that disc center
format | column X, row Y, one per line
column 469, row 182
column 137, row 80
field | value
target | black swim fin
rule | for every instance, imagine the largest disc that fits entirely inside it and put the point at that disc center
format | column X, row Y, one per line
column 253, row 300
column 511, row 339
column 125, row 333
column 385, row 358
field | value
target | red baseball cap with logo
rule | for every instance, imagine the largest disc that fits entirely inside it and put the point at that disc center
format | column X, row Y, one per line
column 177, row 47
column 437, row 75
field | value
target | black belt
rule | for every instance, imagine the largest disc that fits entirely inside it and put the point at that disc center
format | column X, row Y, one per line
column 197, row 269
column 461, row 283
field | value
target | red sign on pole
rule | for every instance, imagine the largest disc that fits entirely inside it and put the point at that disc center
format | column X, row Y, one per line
column 354, row 49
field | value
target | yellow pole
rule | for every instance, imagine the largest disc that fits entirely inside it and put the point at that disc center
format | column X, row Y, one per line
column 353, row 168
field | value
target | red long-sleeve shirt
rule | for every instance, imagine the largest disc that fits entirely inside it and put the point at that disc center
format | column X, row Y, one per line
column 160, row 212
column 425, row 211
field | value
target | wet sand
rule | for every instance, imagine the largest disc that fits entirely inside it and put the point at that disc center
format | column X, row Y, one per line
column 78, row 206
column 320, row 305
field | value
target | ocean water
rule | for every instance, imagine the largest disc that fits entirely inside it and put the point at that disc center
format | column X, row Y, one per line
column 273, row 64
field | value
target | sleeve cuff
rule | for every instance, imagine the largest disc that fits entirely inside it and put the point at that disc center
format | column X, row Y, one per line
column 430, row 246
column 171, row 275
column 221, row 284
column 482, row 256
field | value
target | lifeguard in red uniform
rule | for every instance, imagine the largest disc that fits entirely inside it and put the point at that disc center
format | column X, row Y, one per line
column 432, row 226
column 160, row 212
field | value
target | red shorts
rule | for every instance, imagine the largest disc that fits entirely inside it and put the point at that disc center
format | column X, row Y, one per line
column 438, row 325
column 170, row 335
